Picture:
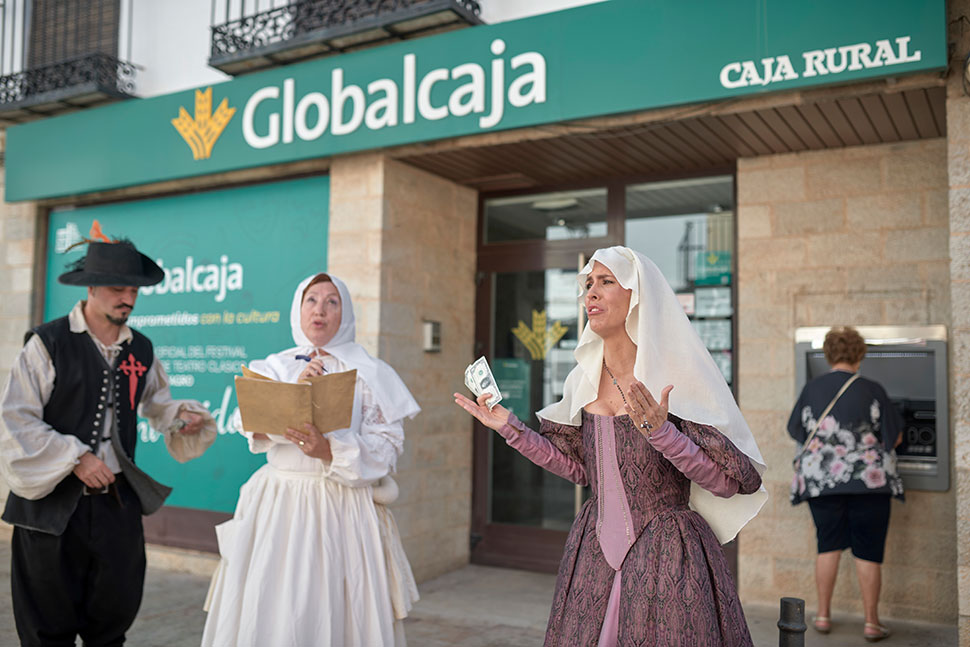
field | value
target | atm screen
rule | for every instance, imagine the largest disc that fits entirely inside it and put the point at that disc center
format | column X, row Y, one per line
column 909, row 374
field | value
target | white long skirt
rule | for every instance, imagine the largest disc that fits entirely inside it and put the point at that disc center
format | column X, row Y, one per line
column 302, row 566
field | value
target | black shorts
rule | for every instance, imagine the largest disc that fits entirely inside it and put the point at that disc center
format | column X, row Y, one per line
column 856, row 521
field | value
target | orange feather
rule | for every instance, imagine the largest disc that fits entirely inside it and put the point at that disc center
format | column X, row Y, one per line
column 96, row 233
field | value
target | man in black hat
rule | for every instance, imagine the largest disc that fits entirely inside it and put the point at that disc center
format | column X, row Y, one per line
column 67, row 452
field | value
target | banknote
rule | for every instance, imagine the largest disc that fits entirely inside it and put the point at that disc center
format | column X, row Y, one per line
column 479, row 380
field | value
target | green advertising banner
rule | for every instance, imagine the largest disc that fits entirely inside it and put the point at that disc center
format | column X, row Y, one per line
column 232, row 260
column 600, row 59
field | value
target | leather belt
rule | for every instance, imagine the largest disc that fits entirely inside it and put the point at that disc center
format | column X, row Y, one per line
column 111, row 488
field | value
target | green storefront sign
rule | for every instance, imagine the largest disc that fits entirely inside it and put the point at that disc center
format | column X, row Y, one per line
column 713, row 267
column 232, row 259
column 607, row 58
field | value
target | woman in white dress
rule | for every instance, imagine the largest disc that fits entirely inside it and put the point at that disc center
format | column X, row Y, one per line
column 309, row 558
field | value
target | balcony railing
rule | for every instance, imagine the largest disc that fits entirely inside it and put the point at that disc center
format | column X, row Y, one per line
column 59, row 55
column 252, row 34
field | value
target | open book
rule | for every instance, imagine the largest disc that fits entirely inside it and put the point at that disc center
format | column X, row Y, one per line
column 269, row 407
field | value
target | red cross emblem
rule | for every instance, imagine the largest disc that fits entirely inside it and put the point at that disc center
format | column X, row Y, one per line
column 134, row 370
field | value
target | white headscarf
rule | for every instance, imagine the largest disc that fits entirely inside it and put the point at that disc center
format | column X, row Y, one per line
column 668, row 352
column 392, row 395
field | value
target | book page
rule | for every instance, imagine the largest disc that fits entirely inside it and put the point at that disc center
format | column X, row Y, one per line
column 269, row 407
column 248, row 372
column 333, row 400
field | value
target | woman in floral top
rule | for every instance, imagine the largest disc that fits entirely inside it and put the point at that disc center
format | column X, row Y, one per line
column 847, row 473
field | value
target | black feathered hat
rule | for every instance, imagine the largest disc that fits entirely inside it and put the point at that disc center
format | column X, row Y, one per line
column 117, row 263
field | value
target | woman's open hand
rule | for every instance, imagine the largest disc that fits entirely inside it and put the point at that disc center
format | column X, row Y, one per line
column 493, row 419
column 310, row 441
column 646, row 412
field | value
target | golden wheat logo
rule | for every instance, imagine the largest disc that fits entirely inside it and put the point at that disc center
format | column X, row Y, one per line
column 202, row 132
column 540, row 338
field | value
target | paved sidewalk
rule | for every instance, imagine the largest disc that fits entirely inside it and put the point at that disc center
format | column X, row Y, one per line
column 479, row 606
column 475, row 606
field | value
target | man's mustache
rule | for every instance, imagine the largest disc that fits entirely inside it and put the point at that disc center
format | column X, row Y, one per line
column 125, row 305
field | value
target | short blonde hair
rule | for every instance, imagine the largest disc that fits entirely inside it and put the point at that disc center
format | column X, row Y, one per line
column 844, row 344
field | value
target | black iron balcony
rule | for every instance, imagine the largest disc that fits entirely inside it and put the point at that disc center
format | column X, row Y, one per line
column 61, row 55
column 49, row 89
column 268, row 34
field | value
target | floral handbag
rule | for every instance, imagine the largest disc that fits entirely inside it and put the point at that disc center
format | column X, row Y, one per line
column 797, row 462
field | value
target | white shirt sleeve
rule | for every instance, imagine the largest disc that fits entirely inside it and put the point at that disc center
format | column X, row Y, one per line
column 158, row 406
column 34, row 457
column 362, row 458
column 259, row 445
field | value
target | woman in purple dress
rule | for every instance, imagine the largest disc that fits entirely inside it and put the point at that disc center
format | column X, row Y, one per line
column 643, row 563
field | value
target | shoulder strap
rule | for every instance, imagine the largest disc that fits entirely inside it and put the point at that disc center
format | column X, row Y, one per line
column 819, row 420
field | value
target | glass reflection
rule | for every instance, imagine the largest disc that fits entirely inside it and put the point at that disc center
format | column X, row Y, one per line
column 535, row 332
column 547, row 216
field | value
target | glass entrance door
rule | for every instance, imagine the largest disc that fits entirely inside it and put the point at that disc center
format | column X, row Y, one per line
column 529, row 319
column 534, row 333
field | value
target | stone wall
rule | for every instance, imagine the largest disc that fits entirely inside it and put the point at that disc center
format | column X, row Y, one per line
column 855, row 236
column 958, row 164
column 354, row 240
column 405, row 242
column 17, row 225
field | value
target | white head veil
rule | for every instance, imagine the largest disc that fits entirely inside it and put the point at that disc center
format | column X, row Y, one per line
column 389, row 390
column 668, row 352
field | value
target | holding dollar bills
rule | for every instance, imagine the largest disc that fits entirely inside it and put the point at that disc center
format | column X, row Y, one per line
column 479, row 380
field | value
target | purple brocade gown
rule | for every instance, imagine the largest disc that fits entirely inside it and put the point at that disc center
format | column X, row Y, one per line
column 675, row 586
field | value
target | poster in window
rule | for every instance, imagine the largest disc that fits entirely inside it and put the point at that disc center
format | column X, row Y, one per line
column 713, row 302
column 716, row 333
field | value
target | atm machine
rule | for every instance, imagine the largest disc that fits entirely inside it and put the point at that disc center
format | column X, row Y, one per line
column 910, row 362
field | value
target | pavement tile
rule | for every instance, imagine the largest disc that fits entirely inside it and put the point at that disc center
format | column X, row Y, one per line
column 474, row 606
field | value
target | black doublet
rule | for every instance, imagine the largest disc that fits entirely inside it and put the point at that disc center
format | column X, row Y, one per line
column 77, row 406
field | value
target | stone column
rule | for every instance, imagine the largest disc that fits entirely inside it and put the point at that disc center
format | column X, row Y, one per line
column 404, row 240
column 17, row 231
column 355, row 237
column 958, row 163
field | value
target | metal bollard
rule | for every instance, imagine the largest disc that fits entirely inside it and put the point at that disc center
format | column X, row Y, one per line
column 791, row 623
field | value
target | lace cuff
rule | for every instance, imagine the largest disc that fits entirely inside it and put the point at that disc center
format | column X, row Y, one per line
column 371, row 414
